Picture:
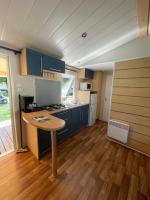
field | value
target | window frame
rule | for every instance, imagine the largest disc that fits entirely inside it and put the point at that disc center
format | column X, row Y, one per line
column 68, row 74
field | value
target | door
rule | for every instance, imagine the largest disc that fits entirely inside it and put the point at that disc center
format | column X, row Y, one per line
column 106, row 96
column 6, row 131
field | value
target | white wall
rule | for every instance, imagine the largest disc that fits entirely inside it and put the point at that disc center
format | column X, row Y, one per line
column 23, row 85
column 137, row 48
column 18, row 84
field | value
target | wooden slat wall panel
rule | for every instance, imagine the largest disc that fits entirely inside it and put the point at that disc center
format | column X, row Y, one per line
column 137, row 82
column 133, row 73
column 144, row 121
column 144, row 130
column 138, row 101
column 139, row 146
column 136, row 110
column 138, row 92
column 131, row 101
column 140, row 138
column 131, row 64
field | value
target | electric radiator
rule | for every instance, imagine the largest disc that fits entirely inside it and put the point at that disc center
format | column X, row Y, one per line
column 118, row 131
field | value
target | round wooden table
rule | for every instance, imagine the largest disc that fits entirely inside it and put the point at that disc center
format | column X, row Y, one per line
column 52, row 125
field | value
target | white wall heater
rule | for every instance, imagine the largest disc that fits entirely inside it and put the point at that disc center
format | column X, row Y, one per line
column 118, row 131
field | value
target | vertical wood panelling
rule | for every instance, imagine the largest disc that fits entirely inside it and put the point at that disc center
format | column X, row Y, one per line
column 97, row 84
column 131, row 100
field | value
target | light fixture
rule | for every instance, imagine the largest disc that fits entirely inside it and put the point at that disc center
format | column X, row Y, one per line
column 84, row 35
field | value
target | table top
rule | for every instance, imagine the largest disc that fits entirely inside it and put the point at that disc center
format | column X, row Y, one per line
column 52, row 124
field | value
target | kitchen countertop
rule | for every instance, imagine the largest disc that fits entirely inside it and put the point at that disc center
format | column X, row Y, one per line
column 52, row 124
column 68, row 107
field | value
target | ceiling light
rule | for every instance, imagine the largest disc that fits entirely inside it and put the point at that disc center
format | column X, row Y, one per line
column 84, row 35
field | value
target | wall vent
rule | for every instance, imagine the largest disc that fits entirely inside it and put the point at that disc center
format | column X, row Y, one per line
column 118, row 131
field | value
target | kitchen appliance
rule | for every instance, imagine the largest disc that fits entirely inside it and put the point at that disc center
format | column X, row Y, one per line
column 92, row 109
column 26, row 103
column 85, row 86
column 90, row 98
column 53, row 107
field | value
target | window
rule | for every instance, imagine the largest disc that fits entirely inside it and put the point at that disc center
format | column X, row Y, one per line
column 68, row 85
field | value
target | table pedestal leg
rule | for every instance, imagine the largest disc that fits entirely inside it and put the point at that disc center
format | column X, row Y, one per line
column 54, row 154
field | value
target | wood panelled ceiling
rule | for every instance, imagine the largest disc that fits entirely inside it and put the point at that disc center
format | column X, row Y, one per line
column 55, row 26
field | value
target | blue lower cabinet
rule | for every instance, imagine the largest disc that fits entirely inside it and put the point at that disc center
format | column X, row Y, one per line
column 44, row 140
column 84, row 115
column 64, row 132
column 75, row 119
column 79, row 117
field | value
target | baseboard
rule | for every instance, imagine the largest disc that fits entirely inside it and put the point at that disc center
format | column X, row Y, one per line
column 110, row 139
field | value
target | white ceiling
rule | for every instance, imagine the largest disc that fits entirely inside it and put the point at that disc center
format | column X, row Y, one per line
column 55, row 27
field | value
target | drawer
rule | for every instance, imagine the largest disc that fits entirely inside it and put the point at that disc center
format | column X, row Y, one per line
column 63, row 114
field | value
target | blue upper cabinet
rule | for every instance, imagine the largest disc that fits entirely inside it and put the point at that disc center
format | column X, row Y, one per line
column 85, row 74
column 89, row 74
column 53, row 64
column 33, row 63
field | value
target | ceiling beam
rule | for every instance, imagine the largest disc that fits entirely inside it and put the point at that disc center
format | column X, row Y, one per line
column 143, row 17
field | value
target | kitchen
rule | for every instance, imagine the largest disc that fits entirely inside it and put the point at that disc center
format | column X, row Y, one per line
column 78, row 108
column 79, row 99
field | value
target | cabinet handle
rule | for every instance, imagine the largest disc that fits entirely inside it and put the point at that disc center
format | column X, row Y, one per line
column 63, row 112
column 81, row 116
column 41, row 65
column 66, row 119
column 63, row 131
column 53, row 69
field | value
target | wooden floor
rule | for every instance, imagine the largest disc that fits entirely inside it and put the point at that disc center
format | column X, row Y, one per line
column 90, row 167
column 6, row 140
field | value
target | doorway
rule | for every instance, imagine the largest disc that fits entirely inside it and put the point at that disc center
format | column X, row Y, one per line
column 6, row 135
column 106, row 96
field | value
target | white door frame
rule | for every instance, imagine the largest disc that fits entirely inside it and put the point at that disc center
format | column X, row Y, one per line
column 103, row 95
column 10, row 92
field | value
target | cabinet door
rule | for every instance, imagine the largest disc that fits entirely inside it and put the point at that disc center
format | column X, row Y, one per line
column 34, row 62
column 88, row 74
column 53, row 64
column 76, row 119
column 64, row 132
column 84, row 115
column 44, row 140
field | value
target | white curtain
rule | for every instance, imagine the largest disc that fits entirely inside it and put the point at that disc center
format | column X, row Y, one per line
column 74, row 74
column 13, row 72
